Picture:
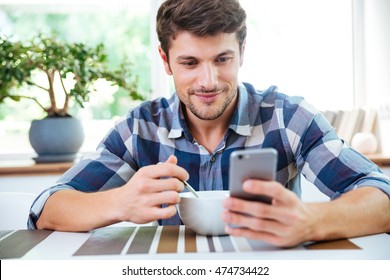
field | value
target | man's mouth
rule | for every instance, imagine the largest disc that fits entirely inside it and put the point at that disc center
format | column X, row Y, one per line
column 207, row 97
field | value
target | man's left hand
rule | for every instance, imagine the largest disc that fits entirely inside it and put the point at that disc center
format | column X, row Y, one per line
column 286, row 222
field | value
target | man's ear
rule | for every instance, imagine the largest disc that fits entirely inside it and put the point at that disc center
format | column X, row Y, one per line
column 164, row 58
column 242, row 52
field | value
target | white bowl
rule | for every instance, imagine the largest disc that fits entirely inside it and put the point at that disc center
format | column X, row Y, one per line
column 203, row 214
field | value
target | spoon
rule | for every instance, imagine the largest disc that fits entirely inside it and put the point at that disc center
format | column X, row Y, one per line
column 188, row 186
column 191, row 189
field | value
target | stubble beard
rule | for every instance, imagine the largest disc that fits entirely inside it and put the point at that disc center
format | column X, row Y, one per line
column 206, row 111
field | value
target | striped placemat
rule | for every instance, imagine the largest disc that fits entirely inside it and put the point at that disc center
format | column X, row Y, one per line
column 15, row 244
column 149, row 240
column 173, row 239
column 332, row 245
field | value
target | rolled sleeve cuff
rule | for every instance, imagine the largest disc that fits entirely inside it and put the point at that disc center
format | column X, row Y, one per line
column 375, row 180
column 39, row 203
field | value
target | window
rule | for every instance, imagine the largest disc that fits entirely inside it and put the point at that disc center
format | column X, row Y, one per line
column 123, row 27
column 304, row 47
column 326, row 51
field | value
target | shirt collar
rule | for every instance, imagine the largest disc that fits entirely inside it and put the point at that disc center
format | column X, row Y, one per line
column 177, row 128
column 240, row 122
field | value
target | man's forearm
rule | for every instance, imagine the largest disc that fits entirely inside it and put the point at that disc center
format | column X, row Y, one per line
column 359, row 212
column 70, row 210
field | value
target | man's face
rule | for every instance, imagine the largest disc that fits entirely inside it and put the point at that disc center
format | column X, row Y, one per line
column 205, row 71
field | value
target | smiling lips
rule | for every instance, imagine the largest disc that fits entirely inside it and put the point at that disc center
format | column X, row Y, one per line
column 208, row 95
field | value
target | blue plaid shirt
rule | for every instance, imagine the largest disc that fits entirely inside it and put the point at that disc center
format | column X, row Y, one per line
column 306, row 143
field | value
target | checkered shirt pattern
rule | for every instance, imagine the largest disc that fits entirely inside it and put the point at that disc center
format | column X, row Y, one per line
column 306, row 143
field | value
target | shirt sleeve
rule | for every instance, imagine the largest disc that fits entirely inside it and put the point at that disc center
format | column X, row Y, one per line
column 110, row 166
column 331, row 164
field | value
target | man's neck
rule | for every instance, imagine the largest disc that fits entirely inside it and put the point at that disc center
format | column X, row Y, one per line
column 209, row 135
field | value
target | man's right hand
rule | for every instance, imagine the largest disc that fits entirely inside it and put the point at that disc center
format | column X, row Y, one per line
column 140, row 199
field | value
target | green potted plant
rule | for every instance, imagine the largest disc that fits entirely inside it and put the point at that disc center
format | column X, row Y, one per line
column 58, row 61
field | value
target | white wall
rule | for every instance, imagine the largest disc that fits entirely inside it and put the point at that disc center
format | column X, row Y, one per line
column 376, row 52
column 376, row 22
column 31, row 184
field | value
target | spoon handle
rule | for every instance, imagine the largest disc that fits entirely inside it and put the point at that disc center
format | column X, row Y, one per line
column 188, row 187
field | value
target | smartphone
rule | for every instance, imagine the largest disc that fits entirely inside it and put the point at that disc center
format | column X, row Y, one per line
column 251, row 164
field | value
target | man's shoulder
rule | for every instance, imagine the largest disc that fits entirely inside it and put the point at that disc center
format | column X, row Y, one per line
column 271, row 96
column 152, row 109
column 155, row 106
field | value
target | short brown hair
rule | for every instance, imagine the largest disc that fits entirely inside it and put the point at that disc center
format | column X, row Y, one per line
column 200, row 18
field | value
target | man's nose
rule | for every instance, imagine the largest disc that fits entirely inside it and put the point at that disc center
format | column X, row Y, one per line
column 208, row 76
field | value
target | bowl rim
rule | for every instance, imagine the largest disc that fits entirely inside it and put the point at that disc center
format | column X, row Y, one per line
column 189, row 195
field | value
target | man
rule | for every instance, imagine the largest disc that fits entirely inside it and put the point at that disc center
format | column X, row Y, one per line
column 193, row 133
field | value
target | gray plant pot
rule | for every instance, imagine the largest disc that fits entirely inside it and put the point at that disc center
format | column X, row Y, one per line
column 56, row 139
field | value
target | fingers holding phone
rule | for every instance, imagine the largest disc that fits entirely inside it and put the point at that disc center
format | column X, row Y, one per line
column 281, row 201
column 260, row 207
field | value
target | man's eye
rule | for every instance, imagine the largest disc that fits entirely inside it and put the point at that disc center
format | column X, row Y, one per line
column 223, row 59
column 189, row 63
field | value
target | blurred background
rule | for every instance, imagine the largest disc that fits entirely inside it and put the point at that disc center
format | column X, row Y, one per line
column 332, row 52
